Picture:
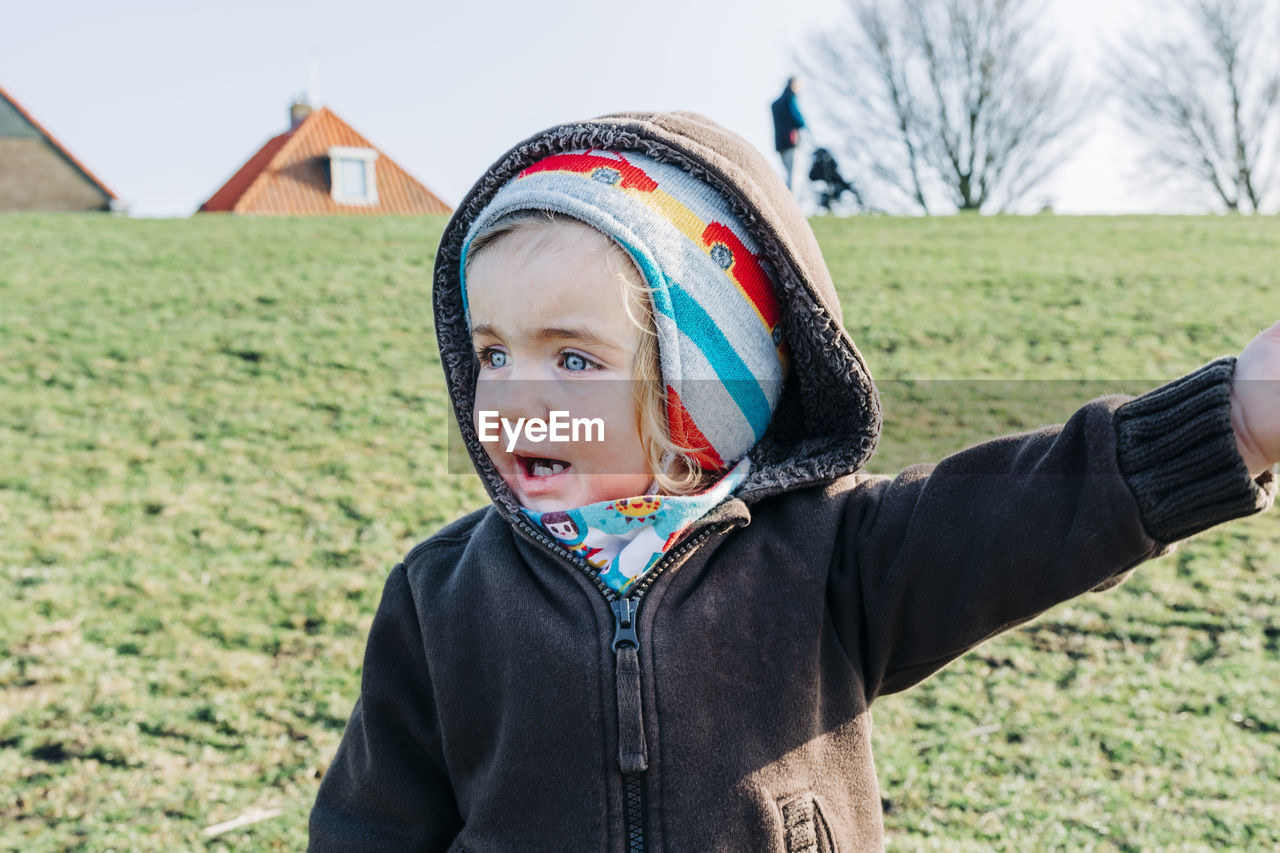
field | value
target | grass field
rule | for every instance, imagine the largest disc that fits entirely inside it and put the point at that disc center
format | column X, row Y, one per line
column 218, row 434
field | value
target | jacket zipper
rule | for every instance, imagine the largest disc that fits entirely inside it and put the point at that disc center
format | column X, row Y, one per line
column 633, row 757
column 633, row 754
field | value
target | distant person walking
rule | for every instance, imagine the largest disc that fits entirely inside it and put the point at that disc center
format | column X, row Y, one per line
column 788, row 121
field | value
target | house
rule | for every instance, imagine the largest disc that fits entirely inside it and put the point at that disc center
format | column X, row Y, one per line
column 321, row 166
column 37, row 173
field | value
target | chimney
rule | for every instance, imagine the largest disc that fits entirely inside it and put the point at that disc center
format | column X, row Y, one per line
column 298, row 111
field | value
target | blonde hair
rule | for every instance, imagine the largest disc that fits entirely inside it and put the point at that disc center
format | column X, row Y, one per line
column 673, row 466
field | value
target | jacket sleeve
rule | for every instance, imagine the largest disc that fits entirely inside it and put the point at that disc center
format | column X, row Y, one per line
column 387, row 789
column 942, row 557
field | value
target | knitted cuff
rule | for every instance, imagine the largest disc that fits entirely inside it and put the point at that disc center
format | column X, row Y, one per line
column 1177, row 451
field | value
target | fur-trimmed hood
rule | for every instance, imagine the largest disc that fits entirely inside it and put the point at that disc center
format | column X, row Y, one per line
column 828, row 419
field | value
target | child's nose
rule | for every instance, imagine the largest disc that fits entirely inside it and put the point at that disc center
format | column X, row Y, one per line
column 516, row 397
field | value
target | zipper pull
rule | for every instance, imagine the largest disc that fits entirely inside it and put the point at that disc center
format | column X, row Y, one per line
column 624, row 623
column 633, row 755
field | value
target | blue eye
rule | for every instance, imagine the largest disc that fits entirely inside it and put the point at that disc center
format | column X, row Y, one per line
column 497, row 358
column 575, row 362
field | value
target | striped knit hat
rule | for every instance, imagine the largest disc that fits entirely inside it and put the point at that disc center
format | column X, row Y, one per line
column 719, row 325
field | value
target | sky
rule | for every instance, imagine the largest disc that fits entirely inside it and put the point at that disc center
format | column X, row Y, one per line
column 163, row 101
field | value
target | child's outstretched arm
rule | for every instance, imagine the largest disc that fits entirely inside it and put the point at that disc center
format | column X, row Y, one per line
column 944, row 556
column 1255, row 402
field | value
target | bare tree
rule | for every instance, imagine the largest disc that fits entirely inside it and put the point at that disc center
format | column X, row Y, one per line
column 946, row 104
column 1203, row 93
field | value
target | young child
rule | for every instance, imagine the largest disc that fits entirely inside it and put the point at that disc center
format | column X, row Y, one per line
column 667, row 636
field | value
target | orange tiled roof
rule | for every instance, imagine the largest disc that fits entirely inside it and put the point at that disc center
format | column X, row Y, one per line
column 58, row 145
column 224, row 200
column 287, row 176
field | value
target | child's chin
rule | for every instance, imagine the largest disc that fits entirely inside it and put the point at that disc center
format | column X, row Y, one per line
column 559, row 502
column 572, row 488
column 548, row 504
column 572, row 493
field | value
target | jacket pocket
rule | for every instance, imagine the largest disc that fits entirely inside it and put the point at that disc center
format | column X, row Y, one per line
column 804, row 828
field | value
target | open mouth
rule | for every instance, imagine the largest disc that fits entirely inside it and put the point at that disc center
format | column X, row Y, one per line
column 539, row 466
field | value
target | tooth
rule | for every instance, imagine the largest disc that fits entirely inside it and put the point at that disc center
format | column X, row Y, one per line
column 556, row 467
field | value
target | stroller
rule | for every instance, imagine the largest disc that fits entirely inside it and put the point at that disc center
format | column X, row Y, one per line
column 825, row 170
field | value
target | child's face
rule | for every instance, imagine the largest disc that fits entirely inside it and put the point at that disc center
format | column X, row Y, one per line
column 549, row 320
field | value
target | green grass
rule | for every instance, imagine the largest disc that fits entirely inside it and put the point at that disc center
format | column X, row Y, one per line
column 218, row 434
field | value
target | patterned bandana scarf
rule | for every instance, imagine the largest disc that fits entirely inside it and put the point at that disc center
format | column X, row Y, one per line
column 623, row 539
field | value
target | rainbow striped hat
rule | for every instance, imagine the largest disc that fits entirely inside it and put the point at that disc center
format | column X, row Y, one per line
column 715, row 307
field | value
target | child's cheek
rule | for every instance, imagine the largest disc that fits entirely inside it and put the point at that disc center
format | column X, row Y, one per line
column 485, row 420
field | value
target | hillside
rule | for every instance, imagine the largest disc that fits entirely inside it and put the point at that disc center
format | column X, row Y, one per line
column 218, row 434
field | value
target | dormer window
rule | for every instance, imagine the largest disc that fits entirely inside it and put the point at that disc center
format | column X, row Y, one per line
column 352, row 177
